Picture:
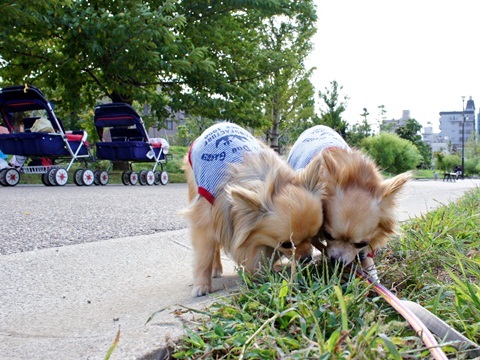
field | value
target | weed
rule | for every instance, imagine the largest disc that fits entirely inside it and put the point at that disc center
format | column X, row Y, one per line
column 323, row 313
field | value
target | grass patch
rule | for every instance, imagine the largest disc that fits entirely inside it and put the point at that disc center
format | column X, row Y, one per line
column 322, row 313
column 425, row 174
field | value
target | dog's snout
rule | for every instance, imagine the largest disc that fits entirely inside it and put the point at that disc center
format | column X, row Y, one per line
column 306, row 259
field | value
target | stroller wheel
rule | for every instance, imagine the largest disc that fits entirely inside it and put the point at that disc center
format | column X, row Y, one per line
column 12, row 177
column 96, row 177
column 142, row 177
column 61, row 176
column 133, row 178
column 2, row 177
column 150, row 177
column 51, row 176
column 126, row 177
column 88, row 177
column 45, row 181
column 77, row 177
column 163, row 178
column 103, row 178
column 157, row 179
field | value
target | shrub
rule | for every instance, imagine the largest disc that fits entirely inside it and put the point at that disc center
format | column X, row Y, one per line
column 392, row 153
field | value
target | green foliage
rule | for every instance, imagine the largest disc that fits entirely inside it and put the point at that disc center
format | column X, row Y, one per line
column 392, row 153
column 472, row 166
column 335, row 105
column 322, row 313
column 358, row 132
column 411, row 131
column 312, row 313
column 193, row 128
column 174, row 166
column 447, row 162
column 206, row 58
column 424, row 174
column 438, row 260
column 472, row 147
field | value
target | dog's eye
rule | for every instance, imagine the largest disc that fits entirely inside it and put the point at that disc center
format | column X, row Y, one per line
column 287, row 245
column 360, row 245
column 327, row 236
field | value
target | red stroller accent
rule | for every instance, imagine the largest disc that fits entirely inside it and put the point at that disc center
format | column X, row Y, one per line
column 124, row 138
column 35, row 133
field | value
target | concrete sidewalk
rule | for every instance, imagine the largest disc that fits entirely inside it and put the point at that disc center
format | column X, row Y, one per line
column 69, row 302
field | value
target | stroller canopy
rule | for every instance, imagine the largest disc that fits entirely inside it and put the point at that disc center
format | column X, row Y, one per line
column 118, row 115
column 22, row 98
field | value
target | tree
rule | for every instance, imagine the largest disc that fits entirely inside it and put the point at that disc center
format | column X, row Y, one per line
column 382, row 112
column 410, row 131
column 446, row 162
column 365, row 114
column 335, row 106
column 193, row 128
column 472, row 155
column 269, row 52
column 288, row 92
column 358, row 132
column 124, row 50
column 392, row 153
column 472, row 147
column 202, row 57
column 289, row 110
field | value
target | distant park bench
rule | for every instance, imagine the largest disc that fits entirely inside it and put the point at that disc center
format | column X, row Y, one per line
column 450, row 176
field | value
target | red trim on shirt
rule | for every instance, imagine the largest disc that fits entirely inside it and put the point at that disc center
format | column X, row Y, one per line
column 202, row 191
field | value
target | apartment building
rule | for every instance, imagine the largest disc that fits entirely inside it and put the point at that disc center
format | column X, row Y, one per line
column 452, row 127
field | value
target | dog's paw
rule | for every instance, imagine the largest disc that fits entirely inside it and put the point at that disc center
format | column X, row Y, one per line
column 200, row 290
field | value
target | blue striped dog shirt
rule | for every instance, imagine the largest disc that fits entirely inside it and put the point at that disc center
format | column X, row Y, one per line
column 311, row 142
column 212, row 152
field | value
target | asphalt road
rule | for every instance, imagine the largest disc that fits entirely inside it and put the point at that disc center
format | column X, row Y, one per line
column 37, row 217
column 128, row 257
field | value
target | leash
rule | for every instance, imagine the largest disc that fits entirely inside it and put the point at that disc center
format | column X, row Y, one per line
column 423, row 322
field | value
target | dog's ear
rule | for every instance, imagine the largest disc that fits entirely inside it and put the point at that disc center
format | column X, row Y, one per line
column 242, row 198
column 332, row 159
column 310, row 177
column 391, row 187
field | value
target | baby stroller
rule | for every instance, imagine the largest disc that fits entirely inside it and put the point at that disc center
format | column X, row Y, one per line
column 124, row 138
column 34, row 133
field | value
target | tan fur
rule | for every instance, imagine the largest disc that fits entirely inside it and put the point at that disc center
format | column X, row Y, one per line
column 262, row 205
column 359, row 204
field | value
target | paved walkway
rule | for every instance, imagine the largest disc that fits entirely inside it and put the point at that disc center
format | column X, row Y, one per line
column 69, row 302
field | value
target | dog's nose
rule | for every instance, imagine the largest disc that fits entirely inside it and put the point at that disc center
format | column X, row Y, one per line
column 306, row 259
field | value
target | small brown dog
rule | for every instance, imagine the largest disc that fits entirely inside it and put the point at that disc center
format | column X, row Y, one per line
column 358, row 206
column 245, row 199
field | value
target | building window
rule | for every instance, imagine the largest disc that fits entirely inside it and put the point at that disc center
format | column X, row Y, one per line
column 169, row 124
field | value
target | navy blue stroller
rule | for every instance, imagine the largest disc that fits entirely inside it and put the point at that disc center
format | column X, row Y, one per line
column 124, row 138
column 35, row 135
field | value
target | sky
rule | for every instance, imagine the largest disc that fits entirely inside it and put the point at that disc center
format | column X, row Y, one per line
column 417, row 55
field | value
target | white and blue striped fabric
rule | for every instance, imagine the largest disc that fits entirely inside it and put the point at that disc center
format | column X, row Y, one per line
column 210, row 154
column 311, row 142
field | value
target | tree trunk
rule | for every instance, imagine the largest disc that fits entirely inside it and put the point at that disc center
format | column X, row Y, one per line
column 274, row 131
